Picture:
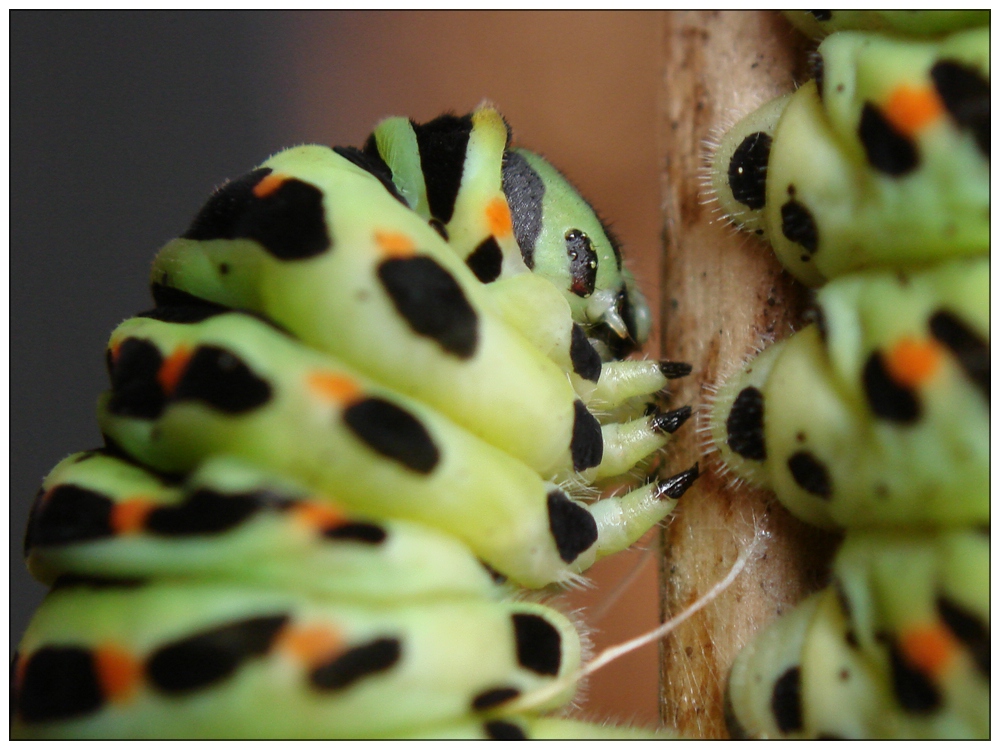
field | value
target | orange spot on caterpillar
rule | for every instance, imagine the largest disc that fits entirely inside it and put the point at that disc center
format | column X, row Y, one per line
column 395, row 244
column 115, row 349
column 910, row 108
column 319, row 515
column 333, row 387
column 118, row 672
column 498, row 218
column 129, row 516
column 268, row 185
column 929, row 648
column 172, row 369
column 912, row 362
column 310, row 644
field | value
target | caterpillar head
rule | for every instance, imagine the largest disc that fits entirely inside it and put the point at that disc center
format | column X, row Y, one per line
column 506, row 210
column 562, row 239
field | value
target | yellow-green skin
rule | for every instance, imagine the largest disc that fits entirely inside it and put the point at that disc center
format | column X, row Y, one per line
column 818, row 24
column 309, row 574
column 268, row 696
column 848, row 643
column 272, row 549
column 864, row 217
column 888, row 394
column 932, row 471
column 487, row 498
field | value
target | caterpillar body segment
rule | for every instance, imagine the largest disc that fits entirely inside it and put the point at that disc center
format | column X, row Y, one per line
column 383, row 290
column 882, row 161
column 880, row 417
column 232, row 385
column 223, row 660
column 916, row 23
column 897, row 647
column 99, row 516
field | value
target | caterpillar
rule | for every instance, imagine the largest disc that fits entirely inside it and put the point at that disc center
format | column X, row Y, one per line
column 872, row 181
column 337, row 444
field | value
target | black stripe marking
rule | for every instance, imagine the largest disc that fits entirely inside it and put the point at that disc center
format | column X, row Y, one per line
column 371, row 161
column 442, row 143
column 355, row 664
column 798, row 225
column 432, row 303
column 135, row 391
column 888, row 150
column 221, row 213
column 572, row 526
column 748, row 170
column 366, row 533
column 486, row 261
column 211, row 656
column 587, row 444
column 810, row 474
column 222, row 380
column 59, row 683
column 66, row 515
column 969, row 348
column 966, row 96
column 584, row 357
column 289, row 222
column 886, row 398
column 913, row 689
column 968, row 628
column 539, row 645
column 745, row 425
column 582, row 263
column 207, row 512
column 786, row 701
column 817, row 71
column 524, row 190
column 177, row 306
column 394, row 433
column 74, row 580
column 503, row 730
column 494, row 697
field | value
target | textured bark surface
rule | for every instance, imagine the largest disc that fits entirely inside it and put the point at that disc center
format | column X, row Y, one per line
column 724, row 296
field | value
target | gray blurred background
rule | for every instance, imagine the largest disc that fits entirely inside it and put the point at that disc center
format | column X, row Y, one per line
column 122, row 123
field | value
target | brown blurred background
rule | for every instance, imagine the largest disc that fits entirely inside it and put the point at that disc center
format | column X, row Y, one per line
column 121, row 123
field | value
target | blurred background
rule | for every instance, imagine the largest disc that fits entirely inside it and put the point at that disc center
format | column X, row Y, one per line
column 122, row 123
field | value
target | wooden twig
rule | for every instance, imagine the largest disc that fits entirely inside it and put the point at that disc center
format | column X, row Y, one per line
column 724, row 296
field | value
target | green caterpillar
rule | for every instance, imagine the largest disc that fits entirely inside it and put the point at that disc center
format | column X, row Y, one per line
column 332, row 441
column 819, row 23
column 874, row 419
